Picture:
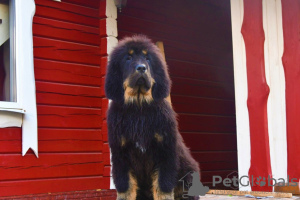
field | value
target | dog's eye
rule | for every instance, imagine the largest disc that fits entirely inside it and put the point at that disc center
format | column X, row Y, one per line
column 147, row 58
column 129, row 58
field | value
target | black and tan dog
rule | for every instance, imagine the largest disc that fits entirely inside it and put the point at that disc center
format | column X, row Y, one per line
column 148, row 153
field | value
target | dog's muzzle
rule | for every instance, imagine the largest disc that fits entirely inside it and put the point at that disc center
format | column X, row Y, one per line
column 141, row 68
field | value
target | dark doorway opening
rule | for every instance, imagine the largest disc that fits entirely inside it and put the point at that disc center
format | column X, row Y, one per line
column 198, row 48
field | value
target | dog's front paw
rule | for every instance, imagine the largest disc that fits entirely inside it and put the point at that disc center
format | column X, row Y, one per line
column 164, row 196
column 124, row 196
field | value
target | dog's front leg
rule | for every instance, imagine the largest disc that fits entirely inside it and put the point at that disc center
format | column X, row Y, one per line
column 125, row 182
column 164, row 179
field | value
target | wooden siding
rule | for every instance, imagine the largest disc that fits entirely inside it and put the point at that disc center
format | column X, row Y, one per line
column 291, row 64
column 198, row 49
column 258, row 92
column 73, row 149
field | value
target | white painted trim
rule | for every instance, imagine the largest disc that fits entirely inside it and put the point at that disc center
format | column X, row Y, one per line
column 10, row 105
column 272, row 21
column 25, row 10
column 112, row 41
column 10, row 112
column 241, row 91
column 111, row 10
column 10, row 119
column 111, row 27
column 24, row 61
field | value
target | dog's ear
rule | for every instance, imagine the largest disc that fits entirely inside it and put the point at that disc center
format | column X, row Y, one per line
column 162, row 86
column 114, row 78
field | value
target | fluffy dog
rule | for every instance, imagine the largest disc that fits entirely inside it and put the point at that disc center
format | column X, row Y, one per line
column 148, row 153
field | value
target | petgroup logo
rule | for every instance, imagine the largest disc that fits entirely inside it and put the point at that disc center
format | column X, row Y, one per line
column 233, row 181
column 194, row 188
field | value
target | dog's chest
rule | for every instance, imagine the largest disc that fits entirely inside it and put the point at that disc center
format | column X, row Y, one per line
column 140, row 147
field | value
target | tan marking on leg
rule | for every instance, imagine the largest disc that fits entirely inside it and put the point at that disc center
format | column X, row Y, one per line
column 131, row 193
column 157, row 194
column 159, row 138
column 123, row 141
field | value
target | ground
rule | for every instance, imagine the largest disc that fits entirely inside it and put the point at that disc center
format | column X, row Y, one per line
column 221, row 197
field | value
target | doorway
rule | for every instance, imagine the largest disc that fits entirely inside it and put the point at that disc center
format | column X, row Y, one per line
column 197, row 40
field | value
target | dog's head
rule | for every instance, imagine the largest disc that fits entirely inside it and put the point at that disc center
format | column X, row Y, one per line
column 137, row 72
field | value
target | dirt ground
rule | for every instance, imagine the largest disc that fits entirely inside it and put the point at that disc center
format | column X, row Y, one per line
column 221, row 197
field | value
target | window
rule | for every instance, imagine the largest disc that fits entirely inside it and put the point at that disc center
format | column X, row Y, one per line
column 17, row 83
column 7, row 50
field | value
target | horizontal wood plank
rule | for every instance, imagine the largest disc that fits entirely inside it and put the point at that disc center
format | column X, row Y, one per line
column 206, row 123
column 210, row 141
column 196, row 88
column 10, row 133
column 54, row 134
column 64, row 15
column 45, row 98
column 54, row 140
column 215, row 156
column 199, row 71
column 216, row 160
column 63, row 117
column 70, row 134
column 16, row 167
column 207, row 176
column 68, row 89
column 53, row 146
column 55, row 71
column 87, row 3
column 218, row 165
column 206, row 106
column 65, row 31
column 69, row 7
column 9, row 188
column 66, row 51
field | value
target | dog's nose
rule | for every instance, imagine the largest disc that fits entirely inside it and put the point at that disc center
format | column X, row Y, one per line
column 141, row 68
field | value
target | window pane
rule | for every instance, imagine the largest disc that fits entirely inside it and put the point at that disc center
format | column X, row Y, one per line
column 7, row 67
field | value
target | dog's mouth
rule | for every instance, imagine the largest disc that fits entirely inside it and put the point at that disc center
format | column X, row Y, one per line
column 141, row 81
column 140, row 84
column 138, row 89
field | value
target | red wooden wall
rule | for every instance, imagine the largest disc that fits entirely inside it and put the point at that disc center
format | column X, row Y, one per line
column 198, row 49
column 258, row 92
column 291, row 64
column 73, row 149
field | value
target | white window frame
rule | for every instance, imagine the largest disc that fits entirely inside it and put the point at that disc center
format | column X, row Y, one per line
column 22, row 113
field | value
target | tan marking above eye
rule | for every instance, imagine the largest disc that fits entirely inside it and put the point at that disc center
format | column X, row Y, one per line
column 159, row 138
column 131, row 51
column 123, row 141
column 145, row 52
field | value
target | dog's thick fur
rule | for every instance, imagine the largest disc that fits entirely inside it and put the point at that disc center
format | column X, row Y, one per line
column 148, row 153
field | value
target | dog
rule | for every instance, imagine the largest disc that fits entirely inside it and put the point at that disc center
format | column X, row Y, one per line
column 148, row 152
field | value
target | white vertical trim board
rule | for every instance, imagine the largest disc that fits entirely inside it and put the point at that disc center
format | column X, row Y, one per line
column 23, row 112
column 272, row 22
column 241, row 92
column 25, row 10
column 273, row 50
column 112, row 41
